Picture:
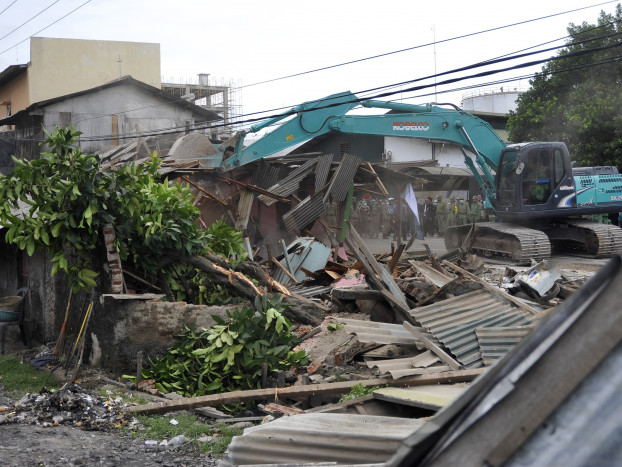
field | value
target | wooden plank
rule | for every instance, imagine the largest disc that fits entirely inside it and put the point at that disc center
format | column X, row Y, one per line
column 384, row 274
column 520, row 304
column 200, row 188
column 396, row 258
column 433, row 276
column 444, row 356
column 301, row 391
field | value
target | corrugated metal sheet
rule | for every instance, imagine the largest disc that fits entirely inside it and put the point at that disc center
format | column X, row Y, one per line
column 494, row 343
column 244, row 209
column 322, row 437
column 454, row 321
column 372, row 332
column 290, row 183
column 322, row 169
column 433, row 397
column 303, row 252
column 423, row 360
column 304, row 213
column 342, row 178
column 310, row 291
column 266, row 175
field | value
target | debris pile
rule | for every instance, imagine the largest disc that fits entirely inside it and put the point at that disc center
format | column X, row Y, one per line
column 71, row 405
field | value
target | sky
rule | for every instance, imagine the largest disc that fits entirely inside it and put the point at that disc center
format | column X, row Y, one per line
column 247, row 42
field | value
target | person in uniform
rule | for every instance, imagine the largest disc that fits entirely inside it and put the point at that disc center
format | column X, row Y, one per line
column 429, row 215
column 476, row 210
column 364, row 219
column 441, row 215
column 386, row 219
column 376, row 218
column 462, row 212
column 452, row 213
column 331, row 213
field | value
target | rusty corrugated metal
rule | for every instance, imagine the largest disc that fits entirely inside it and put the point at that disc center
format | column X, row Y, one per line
column 322, row 437
column 342, row 178
column 290, row 183
column 453, row 322
column 322, row 169
column 307, row 211
column 244, row 209
column 494, row 343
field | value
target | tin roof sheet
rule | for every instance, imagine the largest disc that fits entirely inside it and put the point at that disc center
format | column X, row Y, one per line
column 322, row 437
column 494, row 343
column 454, row 321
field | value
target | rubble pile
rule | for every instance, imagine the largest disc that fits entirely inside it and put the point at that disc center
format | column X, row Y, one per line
column 71, row 405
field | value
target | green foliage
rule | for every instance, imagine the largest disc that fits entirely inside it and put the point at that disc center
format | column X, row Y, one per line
column 332, row 327
column 226, row 241
column 18, row 378
column 229, row 355
column 358, row 390
column 578, row 100
column 70, row 199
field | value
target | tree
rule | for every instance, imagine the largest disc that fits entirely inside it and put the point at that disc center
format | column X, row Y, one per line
column 68, row 199
column 577, row 99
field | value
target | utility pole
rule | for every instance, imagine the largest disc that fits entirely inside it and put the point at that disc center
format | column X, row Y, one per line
column 120, row 62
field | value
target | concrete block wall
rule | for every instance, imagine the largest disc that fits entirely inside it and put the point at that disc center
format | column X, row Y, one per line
column 119, row 328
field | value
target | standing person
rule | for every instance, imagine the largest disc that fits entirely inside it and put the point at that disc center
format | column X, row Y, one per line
column 386, row 219
column 452, row 212
column 429, row 214
column 376, row 218
column 364, row 219
column 441, row 216
column 476, row 210
column 463, row 212
column 331, row 213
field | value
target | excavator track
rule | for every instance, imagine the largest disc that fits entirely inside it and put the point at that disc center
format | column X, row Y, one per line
column 591, row 238
column 506, row 241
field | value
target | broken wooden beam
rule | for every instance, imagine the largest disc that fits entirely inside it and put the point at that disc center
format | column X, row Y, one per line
column 301, row 391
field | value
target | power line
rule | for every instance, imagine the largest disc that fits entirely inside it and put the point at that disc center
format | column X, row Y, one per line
column 29, row 20
column 423, row 45
column 384, row 94
column 209, row 125
column 506, row 57
column 49, row 25
column 10, row 5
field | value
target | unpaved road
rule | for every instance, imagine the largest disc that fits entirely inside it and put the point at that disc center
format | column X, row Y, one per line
column 24, row 445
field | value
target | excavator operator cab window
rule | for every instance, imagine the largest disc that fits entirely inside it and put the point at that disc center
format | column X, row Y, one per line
column 508, row 175
column 537, row 177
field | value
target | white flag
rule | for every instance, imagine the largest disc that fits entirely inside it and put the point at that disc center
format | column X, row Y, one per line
column 411, row 200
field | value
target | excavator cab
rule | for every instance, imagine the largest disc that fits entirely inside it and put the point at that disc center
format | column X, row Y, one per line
column 533, row 179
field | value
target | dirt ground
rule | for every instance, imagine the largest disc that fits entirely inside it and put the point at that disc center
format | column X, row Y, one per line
column 37, row 445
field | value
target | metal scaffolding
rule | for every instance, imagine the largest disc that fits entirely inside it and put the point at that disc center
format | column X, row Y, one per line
column 223, row 98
